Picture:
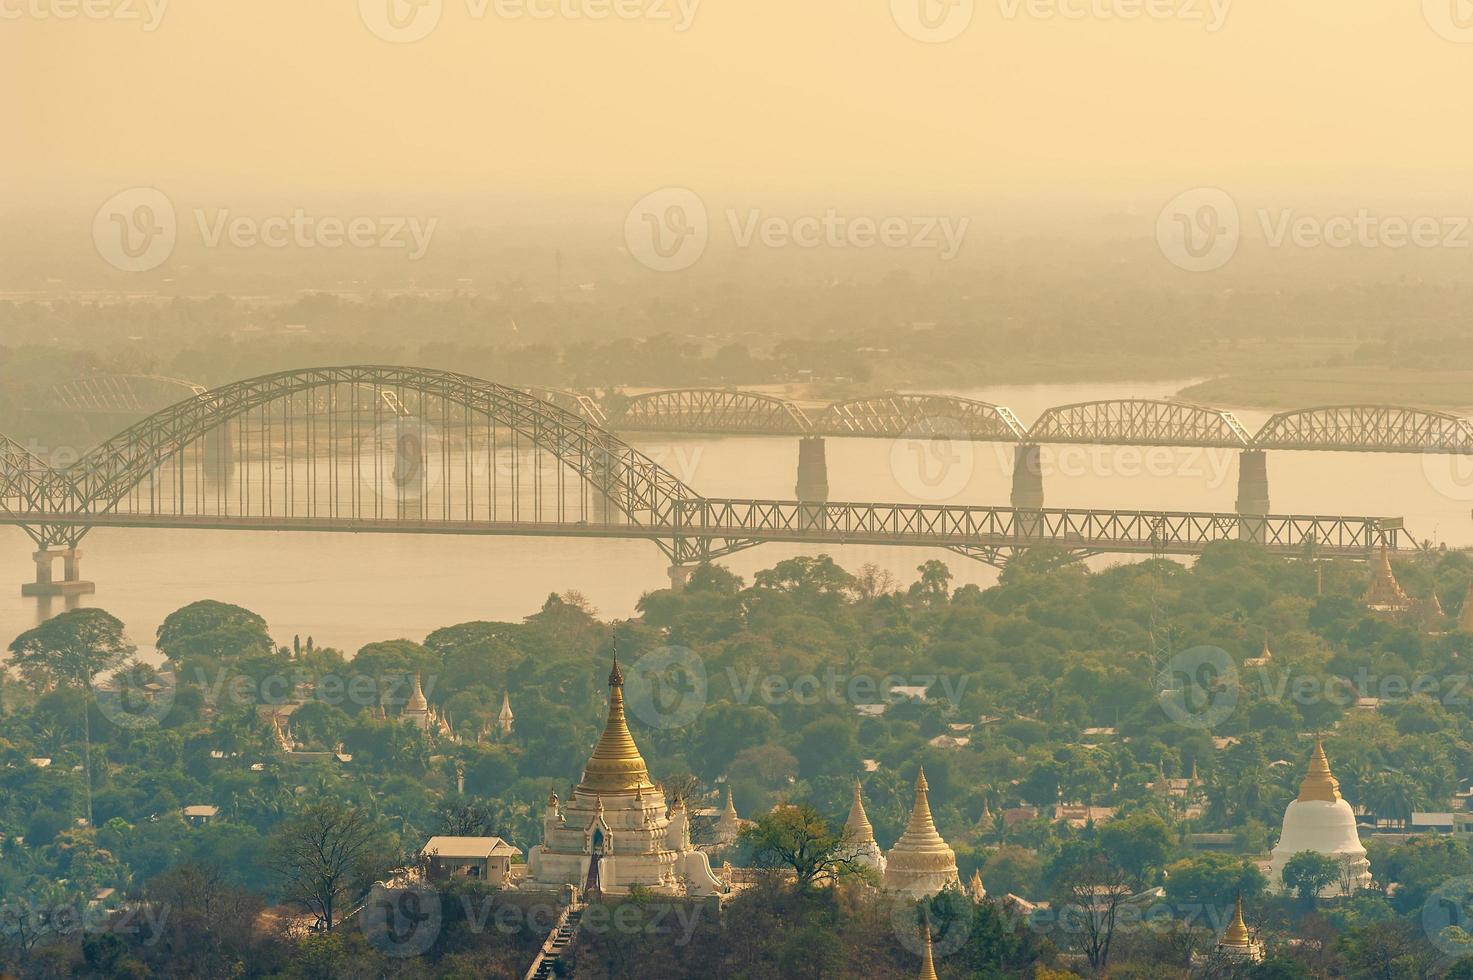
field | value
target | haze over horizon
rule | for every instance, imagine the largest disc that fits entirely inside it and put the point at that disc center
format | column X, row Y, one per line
column 566, row 114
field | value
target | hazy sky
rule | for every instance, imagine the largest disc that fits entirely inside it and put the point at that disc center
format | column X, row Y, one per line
column 1030, row 100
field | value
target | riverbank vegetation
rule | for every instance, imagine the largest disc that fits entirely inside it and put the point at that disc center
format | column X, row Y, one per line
column 1054, row 760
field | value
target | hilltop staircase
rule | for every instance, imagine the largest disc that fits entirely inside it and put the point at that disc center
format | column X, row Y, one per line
column 559, row 941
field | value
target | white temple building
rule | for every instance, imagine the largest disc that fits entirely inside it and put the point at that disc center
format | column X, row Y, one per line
column 862, row 846
column 921, row 864
column 1320, row 820
column 615, row 830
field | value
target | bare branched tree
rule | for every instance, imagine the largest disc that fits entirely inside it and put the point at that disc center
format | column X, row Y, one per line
column 322, row 857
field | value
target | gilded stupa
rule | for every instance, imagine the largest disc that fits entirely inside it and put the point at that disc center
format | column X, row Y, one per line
column 1237, row 942
column 862, row 846
column 928, row 964
column 1385, row 594
column 615, row 829
column 1320, row 820
column 921, row 864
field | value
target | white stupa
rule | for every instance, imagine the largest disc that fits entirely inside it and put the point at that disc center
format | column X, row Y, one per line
column 1320, row 820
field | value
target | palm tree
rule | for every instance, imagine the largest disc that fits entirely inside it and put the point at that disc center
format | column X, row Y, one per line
column 1393, row 796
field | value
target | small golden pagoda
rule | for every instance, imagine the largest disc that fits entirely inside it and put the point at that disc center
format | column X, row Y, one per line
column 975, row 891
column 1264, row 655
column 1237, row 942
column 1385, row 593
column 861, row 844
column 921, row 864
column 928, row 965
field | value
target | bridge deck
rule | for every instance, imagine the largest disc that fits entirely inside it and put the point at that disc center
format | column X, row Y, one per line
column 757, row 521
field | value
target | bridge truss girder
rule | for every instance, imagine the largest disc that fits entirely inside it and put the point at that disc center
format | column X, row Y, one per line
column 1367, row 428
column 1140, row 422
column 714, row 410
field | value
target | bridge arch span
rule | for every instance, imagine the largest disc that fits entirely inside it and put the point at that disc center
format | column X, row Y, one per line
column 1140, row 422
column 714, row 410
column 119, row 394
column 1367, row 428
column 292, row 427
column 898, row 414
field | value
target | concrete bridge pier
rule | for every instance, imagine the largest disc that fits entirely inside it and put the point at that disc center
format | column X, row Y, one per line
column 46, row 584
column 680, row 576
column 1027, row 478
column 813, row 481
column 1252, row 495
column 1253, row 482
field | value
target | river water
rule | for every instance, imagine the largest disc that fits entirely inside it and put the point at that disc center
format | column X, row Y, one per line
column 347, row 590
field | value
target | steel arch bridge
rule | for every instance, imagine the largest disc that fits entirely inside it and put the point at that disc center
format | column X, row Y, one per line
column 394, row 449
column 119, row 394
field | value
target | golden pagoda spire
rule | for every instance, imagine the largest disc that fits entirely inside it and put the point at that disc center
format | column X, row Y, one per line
column 858, row 823
column 928, row 965
column 417, row 700
column 1237, row 930
column 616, row 765
column 1385, row 592
column 921, row 826
column 1319, row 783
